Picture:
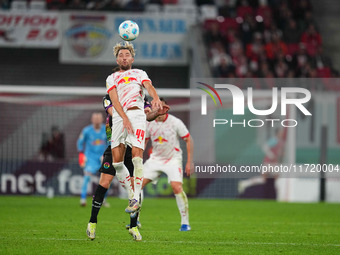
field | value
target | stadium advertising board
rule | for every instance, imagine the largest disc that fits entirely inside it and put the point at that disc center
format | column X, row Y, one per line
column 65, row 178
column 89, row 38
column 40, row 178
column 30, row 30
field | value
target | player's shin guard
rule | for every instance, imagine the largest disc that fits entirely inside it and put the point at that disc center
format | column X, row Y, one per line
column 183, row 207
column 138, row 174
column 97, row 202
column 141, row 197
column 84, row 187
column 123, row 177
column 133, row 221
column 136, row 214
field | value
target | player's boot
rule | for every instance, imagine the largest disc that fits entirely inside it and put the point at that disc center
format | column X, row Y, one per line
column 135, row 233
column 91, row 230
column 139, row 225
column 134, row 214
column 241, row 187
column 106, row 204
column 185, row 227
column 83, row 202
column 133, row 206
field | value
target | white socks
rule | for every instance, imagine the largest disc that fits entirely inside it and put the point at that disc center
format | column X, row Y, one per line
column 138, row 174
column 123, row 177
column 183, row 207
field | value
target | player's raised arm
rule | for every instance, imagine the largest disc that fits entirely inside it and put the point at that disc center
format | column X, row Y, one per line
column 116, row 104
column 154, row 113
column 156, row 103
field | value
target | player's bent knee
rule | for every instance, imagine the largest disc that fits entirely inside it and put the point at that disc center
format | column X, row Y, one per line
column 105, row 180
column 177, row 187
column 177, row 190
column 137, row 152
column 145, row 182
column 118, row 166
column 105, row 184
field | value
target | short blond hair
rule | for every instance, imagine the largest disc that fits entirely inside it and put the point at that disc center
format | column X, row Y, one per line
column 125, row 46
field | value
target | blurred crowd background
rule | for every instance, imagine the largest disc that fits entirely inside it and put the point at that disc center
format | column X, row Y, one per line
column 243, row 38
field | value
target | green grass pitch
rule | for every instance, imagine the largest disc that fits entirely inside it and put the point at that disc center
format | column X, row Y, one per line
column 37, row 225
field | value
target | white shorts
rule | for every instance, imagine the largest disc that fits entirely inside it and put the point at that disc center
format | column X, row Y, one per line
column 173, row 169
column 138, row 121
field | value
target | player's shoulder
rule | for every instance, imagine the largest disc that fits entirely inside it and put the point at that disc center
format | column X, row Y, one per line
column 87, row 128
column 175, row 120
column 114, row 75
column 110, row 77
column 172, row 118
column 137, row 71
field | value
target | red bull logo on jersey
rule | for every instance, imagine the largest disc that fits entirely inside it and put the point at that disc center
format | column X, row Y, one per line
column 160, row 140
column 126, row 80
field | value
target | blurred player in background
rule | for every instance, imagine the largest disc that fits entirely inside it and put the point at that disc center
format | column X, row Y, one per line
column 166, row 157
column 91, row 144
column 125, row 89
column 53, row 145
column 273, row 150
column 108, row 171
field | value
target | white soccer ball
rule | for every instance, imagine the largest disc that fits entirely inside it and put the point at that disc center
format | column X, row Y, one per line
column 128, row 30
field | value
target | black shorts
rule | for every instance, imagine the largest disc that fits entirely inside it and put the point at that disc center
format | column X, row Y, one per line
column 107, row 167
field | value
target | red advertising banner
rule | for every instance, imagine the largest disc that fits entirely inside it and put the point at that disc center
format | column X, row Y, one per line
column 29, row 29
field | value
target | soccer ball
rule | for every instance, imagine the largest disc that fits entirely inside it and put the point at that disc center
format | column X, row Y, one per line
column 128, row 30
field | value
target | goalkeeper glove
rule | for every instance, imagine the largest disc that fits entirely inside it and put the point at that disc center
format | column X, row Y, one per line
column 81, row 159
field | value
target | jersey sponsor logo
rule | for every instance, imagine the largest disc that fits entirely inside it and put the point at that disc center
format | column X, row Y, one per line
column 160, row 140
column 98, row 142
column 126, row 80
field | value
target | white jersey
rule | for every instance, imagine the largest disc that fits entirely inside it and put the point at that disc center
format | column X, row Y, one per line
column 129, row 86
column 164, row 136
